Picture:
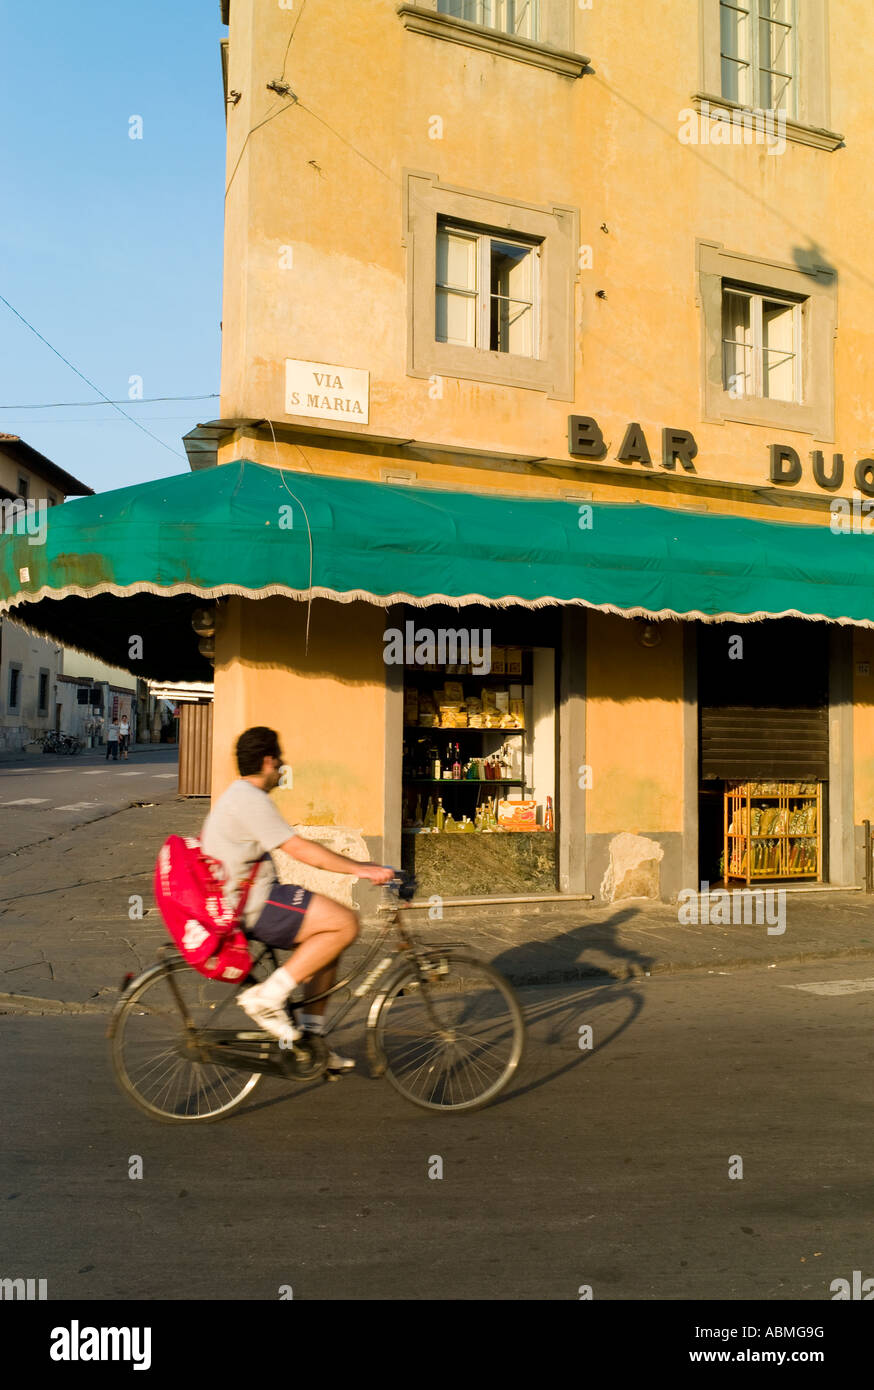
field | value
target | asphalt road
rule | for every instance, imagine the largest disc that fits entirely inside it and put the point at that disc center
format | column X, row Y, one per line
column 607, row 1168
column 47, row 793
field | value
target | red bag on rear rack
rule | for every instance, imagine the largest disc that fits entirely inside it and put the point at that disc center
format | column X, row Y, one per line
column 189, row 892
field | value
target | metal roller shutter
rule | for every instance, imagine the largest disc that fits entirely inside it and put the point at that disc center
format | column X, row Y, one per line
column 786, row 744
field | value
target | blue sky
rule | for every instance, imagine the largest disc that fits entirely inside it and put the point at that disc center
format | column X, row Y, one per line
column 111, row 247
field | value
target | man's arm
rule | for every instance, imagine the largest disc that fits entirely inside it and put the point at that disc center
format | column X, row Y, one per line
column 318, row 857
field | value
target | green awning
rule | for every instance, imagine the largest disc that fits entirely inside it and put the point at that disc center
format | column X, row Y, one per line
column 248, row 529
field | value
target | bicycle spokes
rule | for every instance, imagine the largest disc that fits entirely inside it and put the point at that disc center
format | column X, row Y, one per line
column 452, row 1038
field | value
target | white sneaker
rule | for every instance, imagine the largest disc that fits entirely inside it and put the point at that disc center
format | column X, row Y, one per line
column 338, row 1063
column 268, row 1015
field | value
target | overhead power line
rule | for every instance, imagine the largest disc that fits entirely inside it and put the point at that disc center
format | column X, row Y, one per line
column 143, row 400
column 83, row 377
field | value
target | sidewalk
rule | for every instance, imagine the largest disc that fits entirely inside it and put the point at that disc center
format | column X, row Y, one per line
column 9, row 757
column 67, row 939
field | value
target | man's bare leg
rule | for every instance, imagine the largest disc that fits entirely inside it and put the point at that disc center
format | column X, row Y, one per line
column 327, row 929
column 319, row 984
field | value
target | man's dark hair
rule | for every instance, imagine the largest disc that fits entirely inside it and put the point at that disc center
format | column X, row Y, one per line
column 253, row 747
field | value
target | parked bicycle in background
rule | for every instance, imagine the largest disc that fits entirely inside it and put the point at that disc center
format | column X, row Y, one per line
column 53, row 742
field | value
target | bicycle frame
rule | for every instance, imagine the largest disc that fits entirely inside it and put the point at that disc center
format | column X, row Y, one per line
column 369, row 982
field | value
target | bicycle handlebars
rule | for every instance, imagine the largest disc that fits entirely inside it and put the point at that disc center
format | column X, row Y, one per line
column 403, row 884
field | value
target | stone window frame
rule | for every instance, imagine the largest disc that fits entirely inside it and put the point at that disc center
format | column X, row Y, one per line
column 553, row 51
column 816, row 287
column 810, row 125
column 556, row 228
column 43, row 671
column 16, row 707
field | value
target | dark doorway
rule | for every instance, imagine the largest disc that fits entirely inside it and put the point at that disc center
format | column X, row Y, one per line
column 762, row 714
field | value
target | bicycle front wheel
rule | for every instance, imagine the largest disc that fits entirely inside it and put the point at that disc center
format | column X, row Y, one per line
column 155, row 1056
column 449, row 1035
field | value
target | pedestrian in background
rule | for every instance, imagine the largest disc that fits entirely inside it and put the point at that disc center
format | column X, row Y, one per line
column 124, row 736
column 112, row 742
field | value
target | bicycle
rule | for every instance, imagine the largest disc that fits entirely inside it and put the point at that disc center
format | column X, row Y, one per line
column 445, row 1029
column 52, row 742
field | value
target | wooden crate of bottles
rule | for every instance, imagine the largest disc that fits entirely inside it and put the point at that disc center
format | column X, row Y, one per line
column 773, row 830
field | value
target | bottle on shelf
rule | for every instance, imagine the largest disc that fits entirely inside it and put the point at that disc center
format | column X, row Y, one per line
column 450, row 825
column 456, row 766
column 417, row 818
column 430, row 815
column 440, row 814
column 548, row 818
column 434, row 762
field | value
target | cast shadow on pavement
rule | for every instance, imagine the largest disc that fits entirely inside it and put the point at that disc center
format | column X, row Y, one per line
column 605, row 1000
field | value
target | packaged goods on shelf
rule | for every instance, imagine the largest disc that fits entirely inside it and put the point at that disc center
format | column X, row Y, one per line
column 517, row 710
column 453, row 717
column 514, row 661
column 488, row 699
column 499, row 661
column 454, row 693
column 474, row 709
column 517, row 815
column 502, row 701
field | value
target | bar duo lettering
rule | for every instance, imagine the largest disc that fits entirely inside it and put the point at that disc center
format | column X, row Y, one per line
column 586, row 440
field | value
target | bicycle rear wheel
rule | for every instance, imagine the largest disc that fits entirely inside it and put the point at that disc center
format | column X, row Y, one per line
column 451, row 1039
column 155, row 1057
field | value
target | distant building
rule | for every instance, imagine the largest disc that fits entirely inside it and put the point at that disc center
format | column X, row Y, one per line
column 30, row 666
column 44, row 685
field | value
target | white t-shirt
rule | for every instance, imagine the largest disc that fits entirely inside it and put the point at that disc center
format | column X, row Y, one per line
column 242, row 826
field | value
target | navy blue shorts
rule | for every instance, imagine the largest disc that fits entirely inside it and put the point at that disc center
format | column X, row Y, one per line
column 282, row 915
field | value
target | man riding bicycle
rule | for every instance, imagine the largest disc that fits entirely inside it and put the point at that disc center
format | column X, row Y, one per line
column 241, row 829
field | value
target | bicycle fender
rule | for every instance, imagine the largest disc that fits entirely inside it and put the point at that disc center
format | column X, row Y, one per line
column 375, row 1058
column 129, row 986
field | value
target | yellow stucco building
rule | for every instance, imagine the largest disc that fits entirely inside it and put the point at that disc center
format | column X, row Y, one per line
column 606, row 254
column 536, row 515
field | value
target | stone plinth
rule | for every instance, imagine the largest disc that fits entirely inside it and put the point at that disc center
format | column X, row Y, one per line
column 481, row 865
